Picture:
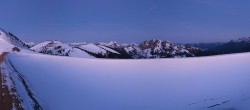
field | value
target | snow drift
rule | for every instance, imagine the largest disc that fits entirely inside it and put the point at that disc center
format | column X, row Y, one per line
column 207, row 83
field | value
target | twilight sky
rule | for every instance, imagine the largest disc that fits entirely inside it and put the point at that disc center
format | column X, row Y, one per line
column 126, row 20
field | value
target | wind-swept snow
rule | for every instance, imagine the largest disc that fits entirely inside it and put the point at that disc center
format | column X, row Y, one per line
column 207, row 83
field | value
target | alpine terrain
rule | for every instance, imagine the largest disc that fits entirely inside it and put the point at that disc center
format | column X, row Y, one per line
column 41, row 76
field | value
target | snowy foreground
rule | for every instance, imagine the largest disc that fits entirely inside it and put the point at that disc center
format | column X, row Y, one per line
column 206, row 83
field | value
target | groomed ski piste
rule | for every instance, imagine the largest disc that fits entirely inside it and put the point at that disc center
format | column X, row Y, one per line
column 66, row 83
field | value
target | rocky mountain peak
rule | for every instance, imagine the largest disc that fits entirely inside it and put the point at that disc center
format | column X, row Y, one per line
column 152, row 44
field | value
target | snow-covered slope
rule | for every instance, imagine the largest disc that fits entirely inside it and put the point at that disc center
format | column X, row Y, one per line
column 11, row 39
column 96, row 49
column 207, row 83
column 8, row 41
column 147, row 49
column 83, row 50
column 5, row 45
column 158, row 49
column 64, row 83
column 59, row 48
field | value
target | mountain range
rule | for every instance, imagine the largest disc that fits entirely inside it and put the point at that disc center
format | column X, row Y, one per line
column 153, row 48
column 31, row 80
column 147, row 49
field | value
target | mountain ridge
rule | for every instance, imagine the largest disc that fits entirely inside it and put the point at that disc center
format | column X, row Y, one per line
column 153, row 48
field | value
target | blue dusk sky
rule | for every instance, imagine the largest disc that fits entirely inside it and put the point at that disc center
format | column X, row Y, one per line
column 126, row 20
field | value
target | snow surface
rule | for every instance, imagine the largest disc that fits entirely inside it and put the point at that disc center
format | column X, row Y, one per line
column 61, row 49
column 108, row 49
column 97, row 49
column 40, row 45
column 93, row 48
column 206, row 83
column 75, row 52
column 4, row 42
column 13, row 82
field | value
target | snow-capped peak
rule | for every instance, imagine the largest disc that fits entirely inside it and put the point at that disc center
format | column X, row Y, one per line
column 113, row 44
column 153, row 48
column 153, row 44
